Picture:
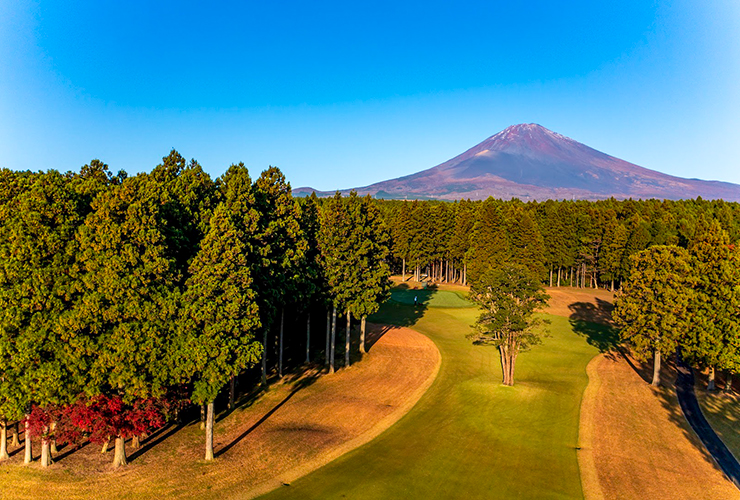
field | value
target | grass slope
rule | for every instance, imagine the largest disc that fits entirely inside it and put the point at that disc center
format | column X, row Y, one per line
column 722, row 411
column 469, row 437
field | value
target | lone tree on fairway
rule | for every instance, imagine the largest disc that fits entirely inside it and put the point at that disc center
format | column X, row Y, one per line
column 651, row 310
column 509, row 296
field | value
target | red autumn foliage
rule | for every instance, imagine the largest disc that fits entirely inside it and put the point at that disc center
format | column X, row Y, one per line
column 99, row 418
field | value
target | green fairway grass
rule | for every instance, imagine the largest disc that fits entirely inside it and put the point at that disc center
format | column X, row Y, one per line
column 469, row 437
column 430, row 297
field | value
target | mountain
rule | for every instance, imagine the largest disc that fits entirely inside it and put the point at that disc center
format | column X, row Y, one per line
column 530, row 162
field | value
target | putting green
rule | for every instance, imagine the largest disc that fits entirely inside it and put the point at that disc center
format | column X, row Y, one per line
column 470, row 437
column 429, row 297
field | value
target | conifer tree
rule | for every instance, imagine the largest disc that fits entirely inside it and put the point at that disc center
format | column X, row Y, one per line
column 221, row 316
column 279, row 250
column 652, row 308
column 713, row 336
column 489, row 244
column 129, row 283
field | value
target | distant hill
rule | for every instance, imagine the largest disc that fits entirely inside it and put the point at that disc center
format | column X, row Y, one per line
column 530, row 162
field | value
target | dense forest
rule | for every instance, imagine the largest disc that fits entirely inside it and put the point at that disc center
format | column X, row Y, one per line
column 575, row 243
column 125, row 301
column 128, row 300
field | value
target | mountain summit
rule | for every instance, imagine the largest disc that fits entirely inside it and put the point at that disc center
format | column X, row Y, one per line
column 528, row 161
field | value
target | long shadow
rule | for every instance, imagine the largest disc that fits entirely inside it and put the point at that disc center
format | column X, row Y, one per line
column 302, row 384
column 594, row 321
column 692, row 411
column 69, row 449
column 157, row 437
column 403, row 312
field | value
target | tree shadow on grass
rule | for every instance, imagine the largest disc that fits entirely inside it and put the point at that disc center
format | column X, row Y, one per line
column 301, row 384
column 594, row 321
column 398, row 313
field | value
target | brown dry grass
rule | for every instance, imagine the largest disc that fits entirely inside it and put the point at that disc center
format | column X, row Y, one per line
column 635, row 441
column 296, row 427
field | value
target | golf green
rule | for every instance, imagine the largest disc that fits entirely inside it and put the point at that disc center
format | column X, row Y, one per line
column 470, row 437
column 429, row 297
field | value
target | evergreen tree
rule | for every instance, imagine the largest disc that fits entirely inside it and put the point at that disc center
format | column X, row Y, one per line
column 509, row 295
column 713, row 336
column 221, row 316
column 652, row 309
column 489, row 244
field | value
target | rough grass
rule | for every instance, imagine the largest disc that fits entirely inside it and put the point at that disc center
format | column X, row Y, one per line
column 642, row 446
column 293, row 428
column 722, row 411
column 470, row 437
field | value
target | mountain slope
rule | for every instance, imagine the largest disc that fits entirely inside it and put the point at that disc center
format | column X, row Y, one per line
column 528, row 161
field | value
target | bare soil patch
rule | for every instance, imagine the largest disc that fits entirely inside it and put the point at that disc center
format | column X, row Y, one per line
column 635, row 442
column 297, row 426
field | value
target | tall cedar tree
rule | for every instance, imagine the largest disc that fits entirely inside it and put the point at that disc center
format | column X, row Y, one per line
column 37, row 294
column 652, row 308
column 369, row 265
column 713, row 336
column 129, row 278
column 222, row 317
column 489, row 244
column 279, row 251
column 509, row 295
column 336, row 246
column 312, row 289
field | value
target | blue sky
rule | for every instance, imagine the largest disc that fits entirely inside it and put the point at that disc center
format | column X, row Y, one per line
column 343, row 94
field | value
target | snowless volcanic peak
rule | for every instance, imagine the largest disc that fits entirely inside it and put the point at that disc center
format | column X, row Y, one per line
column 528, row 161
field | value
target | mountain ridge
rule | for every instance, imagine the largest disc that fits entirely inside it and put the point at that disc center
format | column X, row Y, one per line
column 531, row 162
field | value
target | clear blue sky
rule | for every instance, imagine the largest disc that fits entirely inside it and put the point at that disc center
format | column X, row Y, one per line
column 343, row 94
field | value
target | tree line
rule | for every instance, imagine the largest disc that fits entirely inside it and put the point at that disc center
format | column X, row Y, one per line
column 685, row 301
column 576, row 243
column 125, row 300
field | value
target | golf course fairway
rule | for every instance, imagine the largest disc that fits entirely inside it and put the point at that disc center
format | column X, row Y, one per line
column 469, row 436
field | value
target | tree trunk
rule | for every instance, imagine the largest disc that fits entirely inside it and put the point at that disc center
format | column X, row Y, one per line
column 119, row 459
column 135, row 442
column 558, row 277
column 728, row 382
column 104, row 449
column 15, row 441
column 710, row 381
column 264, row 357
column 612, row 285
column 465, row 274
column 53, row 442
column 28, row 456
column 232, row 391
column 347, row 339
column 328, row 335
column 202, row 417
column 362, row 335
column 45, row 455
column 308, row 337
column 209, row 432
column 403, row 271
column 280, row 356
column 4, row 440
column 656, row 369
column 333, row 338
column 551, row 277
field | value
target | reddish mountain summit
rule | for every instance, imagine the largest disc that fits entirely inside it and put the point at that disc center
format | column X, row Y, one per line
column 530, row 162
